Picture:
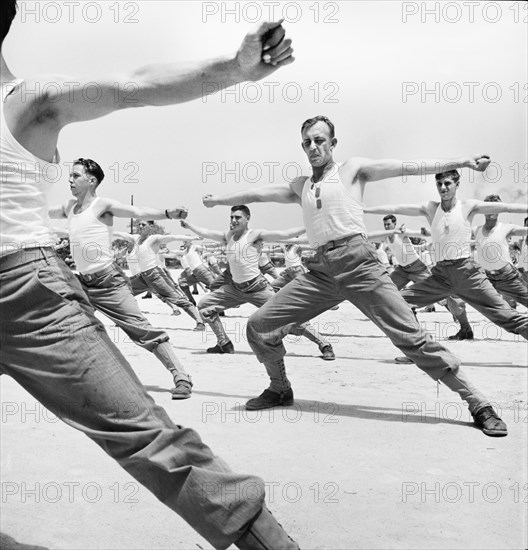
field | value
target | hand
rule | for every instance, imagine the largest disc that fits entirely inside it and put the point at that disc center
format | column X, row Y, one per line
column 402, row 228
column 264, row 50
column 478, row 162
column 208, row 201
column 177, row 213
column 184, row 224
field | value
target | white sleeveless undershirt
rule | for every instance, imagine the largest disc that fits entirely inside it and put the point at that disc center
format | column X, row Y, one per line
column 147, row 258
column 340, row 215
column 193, row 258
column 243, row 258
column 493, row 251
column 403, row 250
column 132, row 257
column 450, row 234
column 25, row 181
column 90, row 240
column 292, row 257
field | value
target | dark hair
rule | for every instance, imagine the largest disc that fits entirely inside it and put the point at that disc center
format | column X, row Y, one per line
column 91, row 168
column 319, row 118
column 448, row 174
column 8, row 11
column 390, row 217
column 242, row 208
column 525, row 219
column 493, row 198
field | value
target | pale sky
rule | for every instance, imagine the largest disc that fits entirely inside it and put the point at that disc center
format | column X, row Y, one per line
column 366, row 65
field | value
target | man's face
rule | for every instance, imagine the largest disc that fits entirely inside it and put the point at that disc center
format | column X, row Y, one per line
column 238, row 221
column 142, row 226
column 317, row 144
column 447, row 188
column 389, row 224
column 79, row 180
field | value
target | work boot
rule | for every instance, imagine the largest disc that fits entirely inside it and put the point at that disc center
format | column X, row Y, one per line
column 269, row 398
column 327, row 351
column 489, row 422
column 226, row 348
column 462, row 334
column 182, row 388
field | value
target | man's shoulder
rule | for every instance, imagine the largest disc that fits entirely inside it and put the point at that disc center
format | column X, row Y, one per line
column 297, row 184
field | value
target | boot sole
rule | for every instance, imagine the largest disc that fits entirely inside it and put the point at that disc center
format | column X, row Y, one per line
column 288, row 403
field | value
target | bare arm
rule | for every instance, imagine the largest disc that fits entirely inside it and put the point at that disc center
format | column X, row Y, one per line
column 374, row 170
column 204, row 232
column 518, row 231
column 36, row 118
column 123, row 236
column 281, row 193
column 271, row 236
column 57, row 212
column 483, row 207
column 403, row 209
column 70, row 99
column 166, row 239
column 120, row 210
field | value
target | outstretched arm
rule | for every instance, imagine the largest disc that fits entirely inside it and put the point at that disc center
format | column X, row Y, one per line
column 272, row 236
column 281, row 193
column 120, row 210
column 204, row 232
column 483, row 207
column 374, row 170
column 403, row 209
column 166, row 239
column 519, row 231
column 263, row 51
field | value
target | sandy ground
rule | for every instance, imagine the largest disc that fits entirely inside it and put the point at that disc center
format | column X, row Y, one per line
column 370, row 456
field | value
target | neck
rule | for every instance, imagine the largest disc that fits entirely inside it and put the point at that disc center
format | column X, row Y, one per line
column 319, row 172
column 5, row 74
column 490, row 224
column 86, row 199
column 448, row 204
column 237, row 233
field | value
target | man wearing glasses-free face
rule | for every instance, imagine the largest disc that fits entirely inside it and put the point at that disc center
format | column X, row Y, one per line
column 345, row 267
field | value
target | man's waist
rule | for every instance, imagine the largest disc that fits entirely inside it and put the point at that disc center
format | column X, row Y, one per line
column 502, row 269
column 454, row 261
column 247, row 284
column 87, row 277
column 336, row 243
column 25, row 256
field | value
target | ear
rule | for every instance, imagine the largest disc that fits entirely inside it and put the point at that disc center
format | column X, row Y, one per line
column 334, row 142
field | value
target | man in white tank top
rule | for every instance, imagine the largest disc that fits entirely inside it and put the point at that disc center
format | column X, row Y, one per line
column 493, row 255
column 409, row 266
column 244, row 283
column 52, row 343
column 194, row 270
column 522, row 262
column 345, row 267
column 91, row 220
column 455, row 272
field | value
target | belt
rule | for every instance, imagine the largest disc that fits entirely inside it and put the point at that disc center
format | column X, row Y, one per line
column 89, row 277
column 246, row 284
column 330, row 245
column 25, row 256
column 453, row 262
column 496, row 271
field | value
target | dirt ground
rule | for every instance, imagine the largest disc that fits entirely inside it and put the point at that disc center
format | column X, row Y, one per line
column 372, row 456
